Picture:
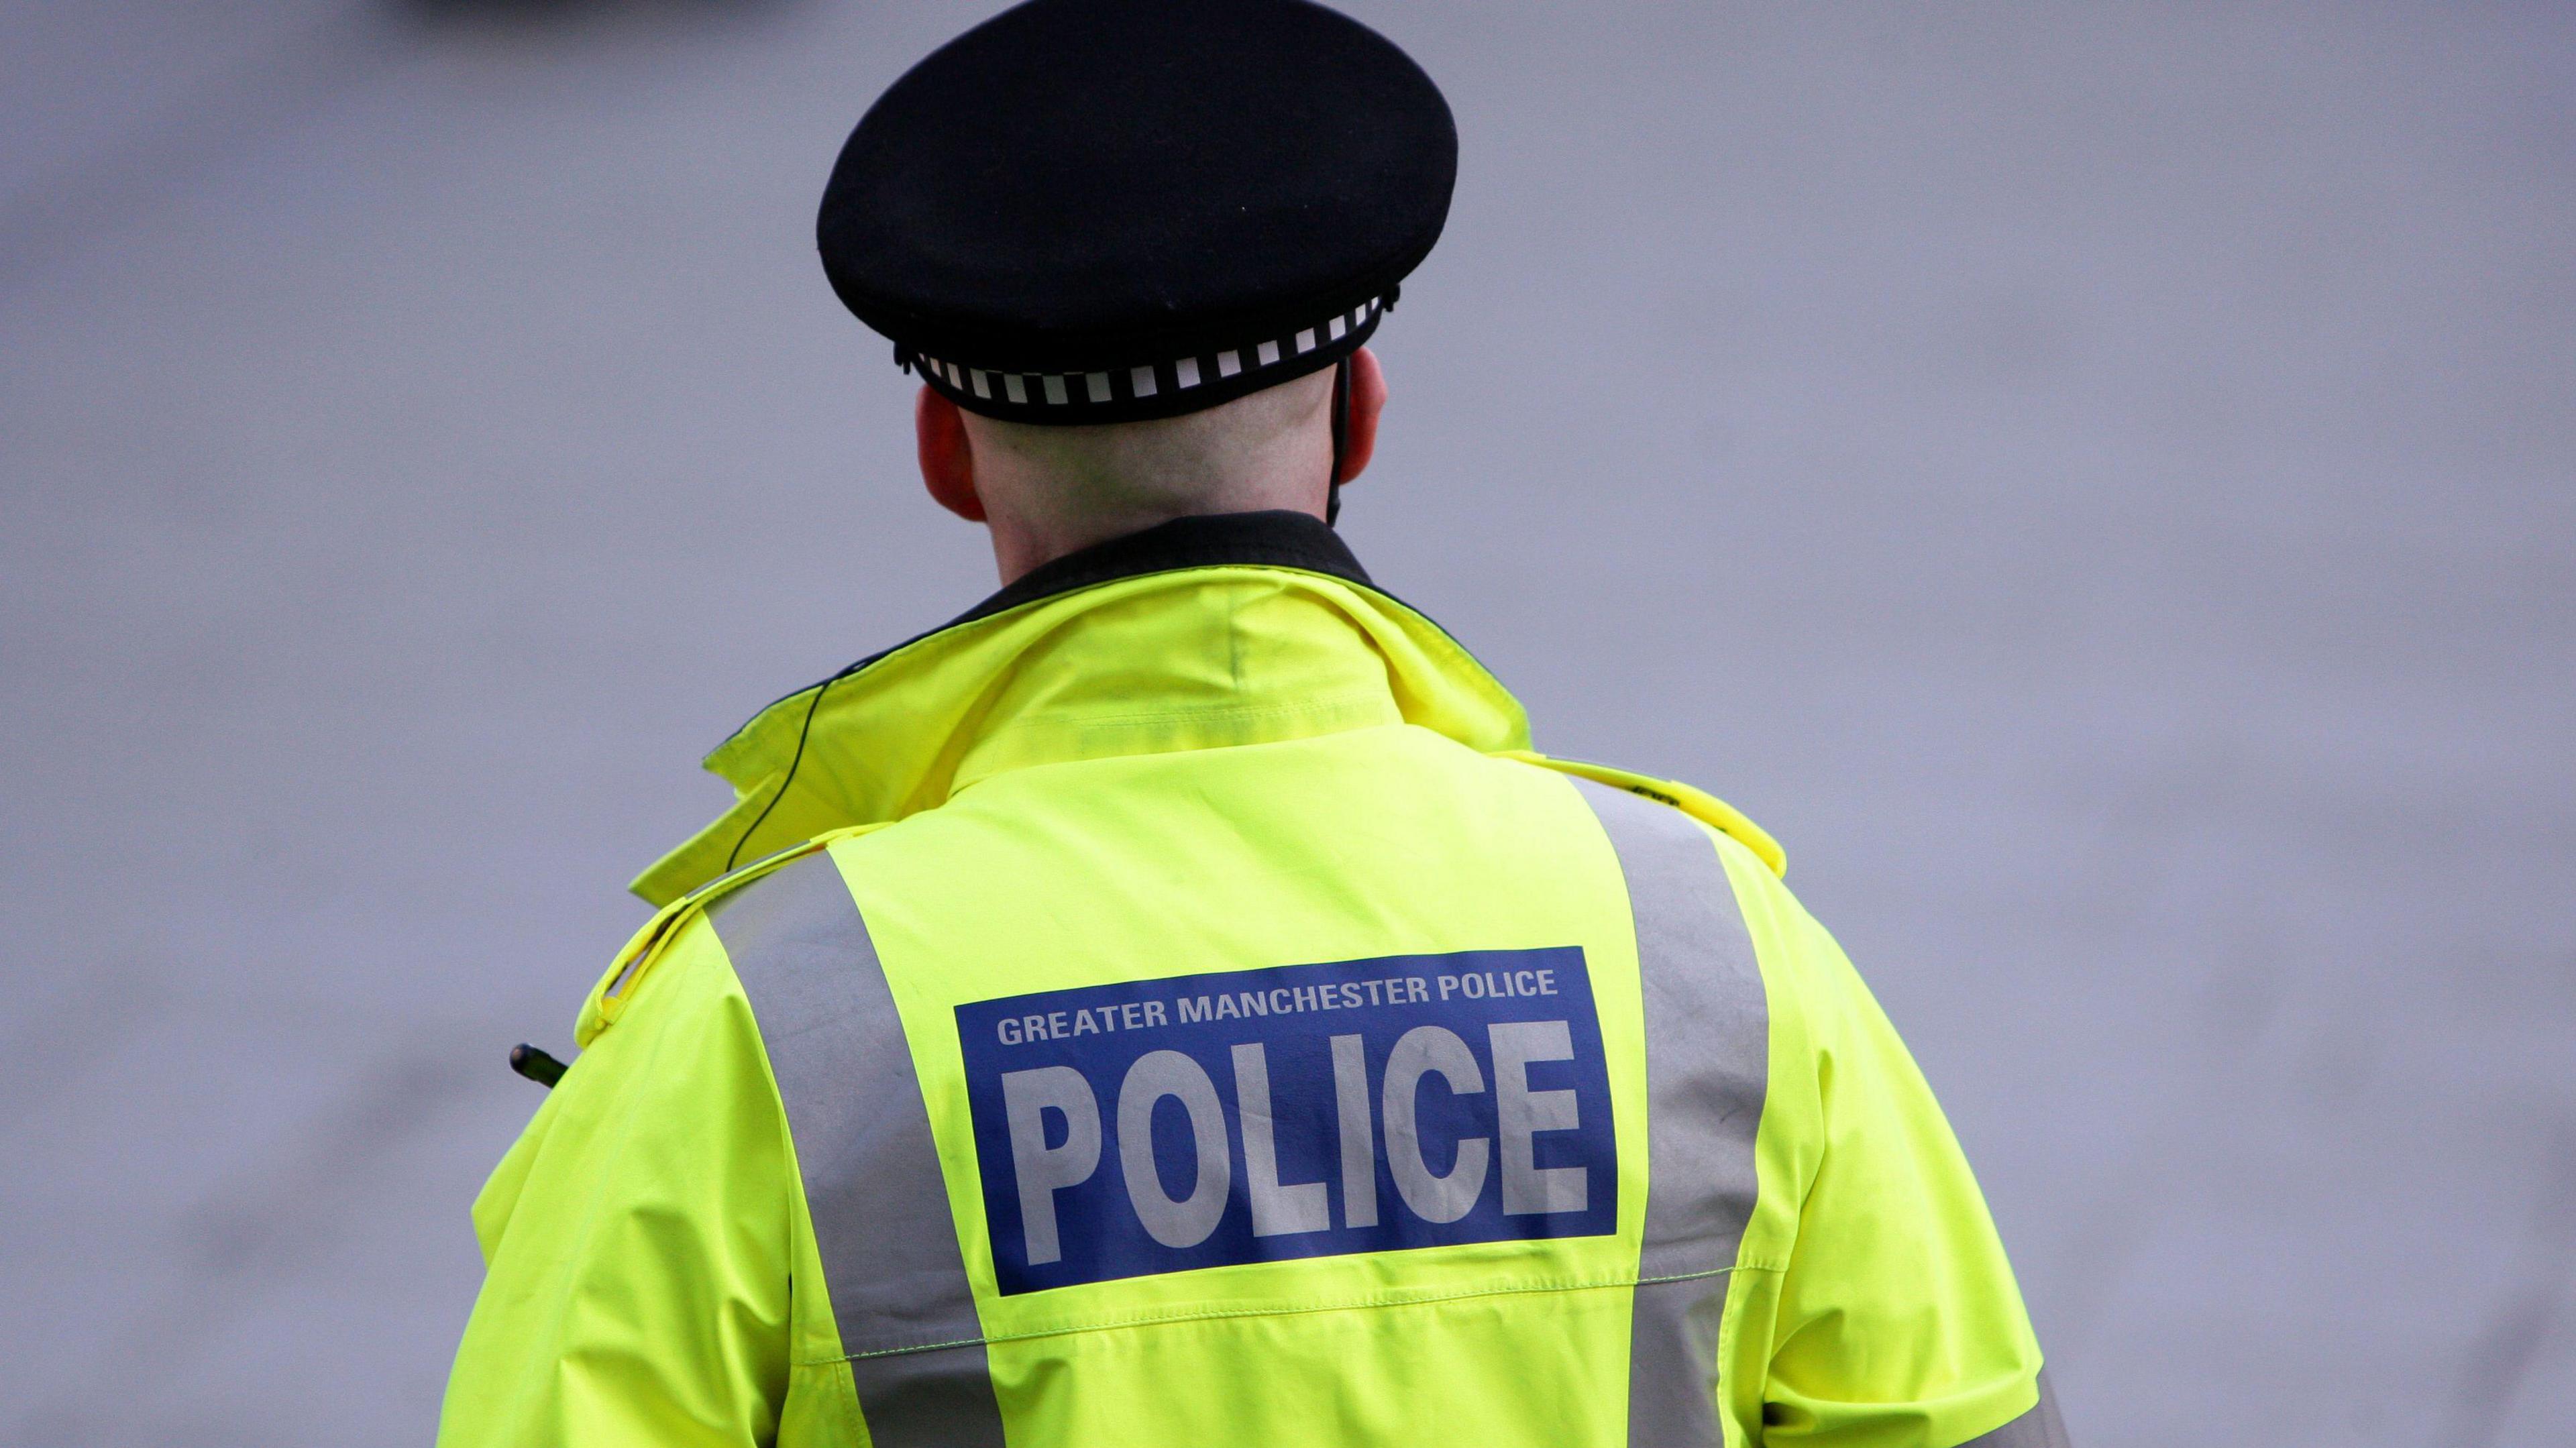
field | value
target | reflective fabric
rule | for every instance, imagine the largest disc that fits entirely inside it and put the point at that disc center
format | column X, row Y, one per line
column 878, row 1206
column 1707, row 1047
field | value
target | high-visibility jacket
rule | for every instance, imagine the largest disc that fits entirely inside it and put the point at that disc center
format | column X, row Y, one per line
column 1173, row 1006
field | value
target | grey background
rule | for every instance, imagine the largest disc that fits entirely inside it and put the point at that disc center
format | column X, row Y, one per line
column 2095, row 480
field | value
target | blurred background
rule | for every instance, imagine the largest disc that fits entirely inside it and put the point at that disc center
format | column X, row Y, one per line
column 2094, row 480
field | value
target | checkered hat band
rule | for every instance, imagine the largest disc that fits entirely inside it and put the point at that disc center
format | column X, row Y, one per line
column 1162, row 388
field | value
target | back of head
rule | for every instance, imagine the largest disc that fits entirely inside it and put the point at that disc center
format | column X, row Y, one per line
column 1268, row 449
column 1109, row 217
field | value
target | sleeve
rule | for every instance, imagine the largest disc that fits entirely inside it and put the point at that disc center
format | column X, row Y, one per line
column 639, row 1239
column 1897, row 1323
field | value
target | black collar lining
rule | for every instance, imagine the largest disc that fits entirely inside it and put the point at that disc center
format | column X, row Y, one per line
column 1274, row 539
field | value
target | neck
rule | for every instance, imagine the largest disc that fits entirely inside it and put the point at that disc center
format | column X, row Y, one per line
column 1050, row 491
column 1021, row 546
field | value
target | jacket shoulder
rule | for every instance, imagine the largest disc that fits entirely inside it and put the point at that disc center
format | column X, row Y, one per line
column 1698, row 803
column 627, row 972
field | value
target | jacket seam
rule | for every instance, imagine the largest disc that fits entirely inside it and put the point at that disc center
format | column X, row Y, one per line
column 1221, row 1314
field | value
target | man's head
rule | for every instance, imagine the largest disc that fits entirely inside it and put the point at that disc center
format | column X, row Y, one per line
column 1048, row 491
column 1127, row 245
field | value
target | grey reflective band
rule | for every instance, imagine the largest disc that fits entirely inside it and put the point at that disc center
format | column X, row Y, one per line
column 872, row 1181
column 2038, row 1428
column 1708, row 1039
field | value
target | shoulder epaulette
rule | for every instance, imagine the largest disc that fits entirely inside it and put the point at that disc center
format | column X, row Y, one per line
column 625, row 974
column 1699, row 804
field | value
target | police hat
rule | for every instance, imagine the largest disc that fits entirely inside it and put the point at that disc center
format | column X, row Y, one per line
column 1087, row 211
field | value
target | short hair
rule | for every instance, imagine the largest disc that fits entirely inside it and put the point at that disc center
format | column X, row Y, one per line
column 1164, row 462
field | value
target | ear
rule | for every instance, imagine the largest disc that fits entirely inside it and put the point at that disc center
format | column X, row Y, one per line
column 1359, row 431
column 947, row 462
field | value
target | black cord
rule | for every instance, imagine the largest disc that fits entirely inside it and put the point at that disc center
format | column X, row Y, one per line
column 1341, row 428
column 793, row 760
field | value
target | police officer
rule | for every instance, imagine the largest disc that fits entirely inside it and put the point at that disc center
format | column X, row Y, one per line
column 1172, row 1003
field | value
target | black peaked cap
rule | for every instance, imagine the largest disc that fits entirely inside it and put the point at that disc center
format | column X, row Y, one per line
column 1089, row 211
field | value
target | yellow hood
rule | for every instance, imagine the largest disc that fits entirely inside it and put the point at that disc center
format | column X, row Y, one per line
column 1194, row 657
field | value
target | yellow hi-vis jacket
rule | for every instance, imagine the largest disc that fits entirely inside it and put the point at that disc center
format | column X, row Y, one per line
column 1172, row 1006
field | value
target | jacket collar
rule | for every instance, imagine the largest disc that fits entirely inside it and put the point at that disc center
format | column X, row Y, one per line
column 1202, row 632
column 1273, row 539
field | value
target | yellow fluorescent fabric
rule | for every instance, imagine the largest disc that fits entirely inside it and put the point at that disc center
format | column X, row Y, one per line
column 1873, row 1305
column 1707, row 808
column 1059, row 677
column 1202, row 771
column 1306, row 850
column 647, row 1273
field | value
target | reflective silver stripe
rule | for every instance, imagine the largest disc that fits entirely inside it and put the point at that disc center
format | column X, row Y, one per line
column 2038, row 1428
column 934, row 1398
column 880, row 1206
column 1672, row 1362
column 1707, row 1063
